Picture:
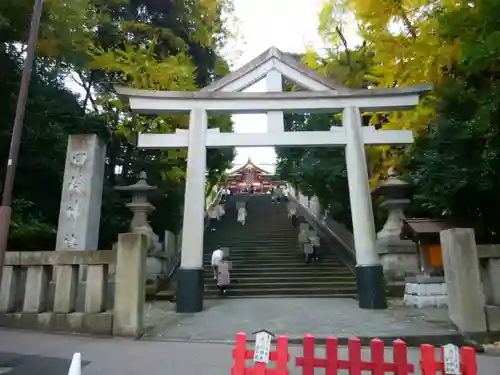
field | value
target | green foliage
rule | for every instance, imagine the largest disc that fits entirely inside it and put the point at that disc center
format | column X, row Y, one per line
column 27, row 226
column 322, row 171
column 168, row 45
column 316, row 171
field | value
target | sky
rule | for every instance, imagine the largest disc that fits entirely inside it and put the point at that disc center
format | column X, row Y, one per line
column 289, row 25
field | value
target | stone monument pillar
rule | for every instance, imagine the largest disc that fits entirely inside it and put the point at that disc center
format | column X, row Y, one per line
column 80, row 210
column 398, row 257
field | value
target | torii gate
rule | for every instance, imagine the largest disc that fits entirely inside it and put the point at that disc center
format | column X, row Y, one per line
column 225, row 97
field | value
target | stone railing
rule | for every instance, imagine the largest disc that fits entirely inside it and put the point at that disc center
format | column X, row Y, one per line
column 331, row 231
column 28, row 301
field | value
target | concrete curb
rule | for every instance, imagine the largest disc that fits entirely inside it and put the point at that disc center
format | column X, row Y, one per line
column 411, row 341
column 492, row 350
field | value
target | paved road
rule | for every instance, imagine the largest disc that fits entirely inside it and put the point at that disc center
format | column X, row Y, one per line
column 43, row 354
column 294, row 317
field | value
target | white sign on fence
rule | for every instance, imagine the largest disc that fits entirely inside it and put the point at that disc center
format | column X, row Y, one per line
column 262, row 347
column 451, row 354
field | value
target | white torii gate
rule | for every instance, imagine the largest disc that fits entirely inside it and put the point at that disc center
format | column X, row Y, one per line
column 224, row 97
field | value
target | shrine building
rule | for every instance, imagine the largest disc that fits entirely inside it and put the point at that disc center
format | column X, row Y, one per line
column 242, row 178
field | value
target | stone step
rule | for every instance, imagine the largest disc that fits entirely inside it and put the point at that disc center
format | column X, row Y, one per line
column 270, row 267
column 167, row 295
column 249, row 248
column 261, row 272
column 289, row 264
column 255, row 235
column 251, row 242
column 305, row 296
column 233, row 291
column 277, row 279
column 258, row 251
column 261, row 253
column 284, row 285
column 251, row 238
column 264, row 257
column 287, row 272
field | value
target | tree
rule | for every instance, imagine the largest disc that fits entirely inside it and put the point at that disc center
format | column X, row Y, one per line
column 139, row 43
column 454, row 167
column 403, row 42
column 52, row 112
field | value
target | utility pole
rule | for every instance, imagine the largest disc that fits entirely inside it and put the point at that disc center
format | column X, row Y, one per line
column 5, row 208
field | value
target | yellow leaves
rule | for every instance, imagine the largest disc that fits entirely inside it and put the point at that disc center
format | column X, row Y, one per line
column 311, row 59
column 140, row 68
column 403, row 36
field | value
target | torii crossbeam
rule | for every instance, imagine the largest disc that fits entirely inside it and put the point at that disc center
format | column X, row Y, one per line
column 335, row 137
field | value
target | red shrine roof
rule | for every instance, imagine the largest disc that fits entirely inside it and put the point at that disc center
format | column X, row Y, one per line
column 249, row 167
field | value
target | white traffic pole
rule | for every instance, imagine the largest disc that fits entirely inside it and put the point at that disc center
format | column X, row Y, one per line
column 76, row 365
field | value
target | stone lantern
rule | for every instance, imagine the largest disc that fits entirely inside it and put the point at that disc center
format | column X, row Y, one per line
column 141, row 208
column 396, row 195
column 398, row 257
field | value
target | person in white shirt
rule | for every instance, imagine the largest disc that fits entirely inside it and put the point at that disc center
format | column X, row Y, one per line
column 242, row 215
column 217, row 257
column 220, row 211
column 212, row 218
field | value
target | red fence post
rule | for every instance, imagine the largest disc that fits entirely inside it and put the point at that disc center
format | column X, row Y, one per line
column 282, row 355
column 377, row 357
column 239, row 355
column 468, row 359
column 428, row 363
column 354, row 350
column 332, row 356
column 307, row 360
column 400, row 354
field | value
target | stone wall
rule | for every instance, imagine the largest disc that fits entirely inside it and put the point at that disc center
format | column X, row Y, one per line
column 26, row 301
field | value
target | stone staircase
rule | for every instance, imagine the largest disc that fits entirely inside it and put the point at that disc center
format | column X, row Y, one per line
column 266, row 259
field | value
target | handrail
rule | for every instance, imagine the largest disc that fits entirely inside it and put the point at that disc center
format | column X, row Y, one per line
column 326, row 227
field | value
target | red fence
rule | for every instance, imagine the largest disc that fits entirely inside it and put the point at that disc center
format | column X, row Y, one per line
column 354, row 363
